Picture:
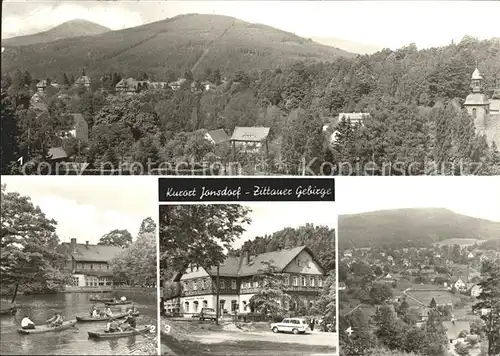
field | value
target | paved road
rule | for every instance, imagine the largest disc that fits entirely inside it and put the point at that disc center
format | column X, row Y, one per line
column 314, row 338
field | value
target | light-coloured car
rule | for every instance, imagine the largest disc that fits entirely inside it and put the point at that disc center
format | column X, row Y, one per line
column 291, row 325
column 207, row 313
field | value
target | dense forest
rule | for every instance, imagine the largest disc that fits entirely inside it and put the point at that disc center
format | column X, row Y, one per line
column 417, row 124
column 320, row 239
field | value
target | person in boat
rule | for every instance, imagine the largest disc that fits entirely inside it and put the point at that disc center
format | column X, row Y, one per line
column 134, row 310
column 56, row 320
column 130, row 323
column 108, row 312
column 112, row 326
column 123, row 299
column 92, row 311
column 26, row 323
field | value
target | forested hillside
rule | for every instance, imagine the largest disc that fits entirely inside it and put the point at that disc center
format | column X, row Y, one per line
column 320, row 239
column 417, row 124
column 66, row 30
column 185, row 42
column 411, row 227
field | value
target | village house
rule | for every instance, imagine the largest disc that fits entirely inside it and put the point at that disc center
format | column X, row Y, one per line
column 177, row 84
column 348, row 254
column 130, row 86
column 458, row 283
column 196, row 288
column 83, row 81
column 475, row 290
column 89, row 264
column 41, row 85
column 250, row 139
column 453, row 330
column 354, row 117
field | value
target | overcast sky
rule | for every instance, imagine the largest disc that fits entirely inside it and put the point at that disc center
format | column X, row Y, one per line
column 88, row 207
column 269, row 217
column 386, row 24
column 473, row 196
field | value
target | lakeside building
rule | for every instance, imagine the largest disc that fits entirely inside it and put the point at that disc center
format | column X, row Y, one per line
column 196, row 288
column 89, row 264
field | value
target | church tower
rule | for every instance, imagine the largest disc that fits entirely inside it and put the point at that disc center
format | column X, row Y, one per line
column 477, row 103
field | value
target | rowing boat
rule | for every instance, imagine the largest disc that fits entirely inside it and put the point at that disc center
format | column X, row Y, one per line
column 46, row 328
column 101, row 300
column 84, row 319
column 116, row 334
column 118, row 303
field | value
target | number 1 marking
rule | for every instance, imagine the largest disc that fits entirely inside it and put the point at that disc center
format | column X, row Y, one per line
column 20, row 160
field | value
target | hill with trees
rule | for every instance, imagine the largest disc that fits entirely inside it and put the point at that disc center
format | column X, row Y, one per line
column 320, row 239
column 66, row 30
column 185, row 42
column 411, row 227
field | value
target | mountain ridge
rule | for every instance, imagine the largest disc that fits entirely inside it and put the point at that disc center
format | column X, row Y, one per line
column 412, row 226
column 175, row 43
column 66, row 30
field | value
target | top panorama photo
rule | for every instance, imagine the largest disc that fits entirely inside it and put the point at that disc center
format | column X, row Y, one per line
column 250, row 88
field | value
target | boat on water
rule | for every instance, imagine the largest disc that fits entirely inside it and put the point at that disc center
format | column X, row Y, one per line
column 117, row 334
column 45, row 328
column 101, row 300
column 104, row 318
column 118, row 302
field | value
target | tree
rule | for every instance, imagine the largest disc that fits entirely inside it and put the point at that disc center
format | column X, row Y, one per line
column 137, row 262
column 390, row 331
column 9, row 150
column 354, row 334
column 119, row 238
column 197, row 234
column 271, row 291
column 462, row 349
column 380, row 293
column 325, row 305
column 148, row 225
column 30, row 260
column 488, row 305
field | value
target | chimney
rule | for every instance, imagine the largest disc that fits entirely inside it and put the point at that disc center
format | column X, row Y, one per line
column 245, row 257
column 73, row 244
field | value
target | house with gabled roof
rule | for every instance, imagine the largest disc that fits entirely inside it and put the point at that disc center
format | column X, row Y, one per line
column 196, row 287
column 89, row 264
column 251, row 139
column 217, row 136
column 84, row 81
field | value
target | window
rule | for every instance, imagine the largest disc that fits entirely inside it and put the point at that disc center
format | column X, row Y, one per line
column 295, row 281
column 195, row 306
column 245, row 305
column 298, row 263
column 195, row 285
column 203, row 284
column 303, row 280
column 320, row 282
column 474, row 113
column 205, row 304
column 234, row 305
column 233, row 284
column 222, row 284
column 76, row 281
column 286, row 305
column 255, row 284
column 186, row 307
column 311, row 281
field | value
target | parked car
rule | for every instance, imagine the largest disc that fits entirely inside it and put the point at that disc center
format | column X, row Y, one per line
column 207, row 313
column 293, row 325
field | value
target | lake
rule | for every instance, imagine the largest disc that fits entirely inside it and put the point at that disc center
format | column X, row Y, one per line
column 73, row 341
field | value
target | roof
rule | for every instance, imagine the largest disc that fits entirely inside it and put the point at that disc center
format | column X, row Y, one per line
column 178, row 82
column 425, row 297
column 93, row 253
column 250, row 134
column 476, row 99
column 234, row 266
column 56, row 153
column 129, row 82
column 83, row 80
column 476, row 74
column 218, row 136
column 42, row 84
column 454, row 328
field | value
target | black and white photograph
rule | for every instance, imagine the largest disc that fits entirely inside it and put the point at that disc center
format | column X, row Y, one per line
column 250, row 88
column 419, row 266
column 253, row 278
column 78, row 266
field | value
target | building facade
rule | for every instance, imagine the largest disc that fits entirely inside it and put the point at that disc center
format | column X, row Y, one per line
column 90, row 264
column 484, row 111
column 196, row 288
